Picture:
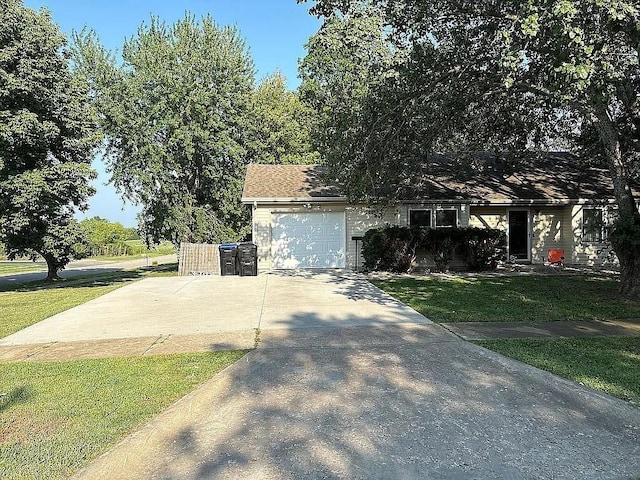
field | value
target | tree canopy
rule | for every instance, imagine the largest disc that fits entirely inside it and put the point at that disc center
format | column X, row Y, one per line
column 174, row 113
column 182, row 119
column 281, row 125
column 47, row 139
column 515, row 77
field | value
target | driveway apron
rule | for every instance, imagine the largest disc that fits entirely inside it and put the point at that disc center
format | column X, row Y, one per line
column 346, row 383
column 382, row 402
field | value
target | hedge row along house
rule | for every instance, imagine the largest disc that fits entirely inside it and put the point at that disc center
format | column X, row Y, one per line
column 302, row 221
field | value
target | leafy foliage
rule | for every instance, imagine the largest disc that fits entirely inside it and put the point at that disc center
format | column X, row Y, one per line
column 47, row 138
column 175, row 113
column 281, row 125
column 394, row 248
column 389, row 248
column 103, row 234
column 516, row 77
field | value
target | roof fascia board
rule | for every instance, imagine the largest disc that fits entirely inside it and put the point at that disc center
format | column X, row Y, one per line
column 252, row 200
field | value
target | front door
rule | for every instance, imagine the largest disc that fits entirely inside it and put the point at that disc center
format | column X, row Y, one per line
column 519, row 247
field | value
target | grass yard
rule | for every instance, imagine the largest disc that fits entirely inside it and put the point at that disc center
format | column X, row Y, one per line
column 23, row 308
column 56, row 417
column 611, row 364
column 537, row 298
column 25, row 305
column 7, row 267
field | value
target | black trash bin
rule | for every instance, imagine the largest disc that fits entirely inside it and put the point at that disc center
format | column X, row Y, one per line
column 228, row 254
column 247, row 259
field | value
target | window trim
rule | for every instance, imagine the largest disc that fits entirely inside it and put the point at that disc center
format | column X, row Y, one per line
column 422, row 209
column 602, row 233
column 433, row 215
column 451, row 209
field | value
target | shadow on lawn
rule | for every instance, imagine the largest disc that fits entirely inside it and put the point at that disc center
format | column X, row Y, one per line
column 89, row 277
column 17, row 395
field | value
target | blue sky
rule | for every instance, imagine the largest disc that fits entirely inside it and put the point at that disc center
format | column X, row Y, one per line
column 275, row 32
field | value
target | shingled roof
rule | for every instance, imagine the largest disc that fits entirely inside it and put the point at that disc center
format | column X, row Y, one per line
column 555, row 178
column 287, row 183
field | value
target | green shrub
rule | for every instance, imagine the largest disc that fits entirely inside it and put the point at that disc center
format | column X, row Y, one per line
column 483, row 248
column 390, row 248
column 442, row 244
column 393, row 248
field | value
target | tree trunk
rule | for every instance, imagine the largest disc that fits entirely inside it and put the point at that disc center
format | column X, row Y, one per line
column 52, row 268
column 626, row 235
column 629, row 271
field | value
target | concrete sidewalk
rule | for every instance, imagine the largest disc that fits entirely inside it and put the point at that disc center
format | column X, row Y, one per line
column 296, row 337
column 380, row 402
column 556, row 329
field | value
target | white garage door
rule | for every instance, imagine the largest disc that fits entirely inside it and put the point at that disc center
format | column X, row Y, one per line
column 308, row 240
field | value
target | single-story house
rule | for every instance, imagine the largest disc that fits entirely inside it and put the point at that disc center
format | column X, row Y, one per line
column 302, row 221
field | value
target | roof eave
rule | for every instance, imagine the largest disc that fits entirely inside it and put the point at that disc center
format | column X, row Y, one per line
column 290, row 200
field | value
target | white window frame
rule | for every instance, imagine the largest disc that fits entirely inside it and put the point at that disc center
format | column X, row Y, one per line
column 421, row 209
column 450, row 209
column 603, row 227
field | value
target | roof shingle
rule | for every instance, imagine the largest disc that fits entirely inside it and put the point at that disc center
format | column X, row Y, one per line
column 555, row 177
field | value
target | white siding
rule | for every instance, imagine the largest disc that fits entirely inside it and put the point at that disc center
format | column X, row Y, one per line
column 551, row 230
column 361, row 219
column 587, row 253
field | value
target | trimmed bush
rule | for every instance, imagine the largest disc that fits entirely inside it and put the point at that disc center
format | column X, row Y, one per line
column 483, row 248
column 393, row 248
column 390, row 249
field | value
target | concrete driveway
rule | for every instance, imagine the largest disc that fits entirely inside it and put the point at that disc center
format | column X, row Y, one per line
column 214, row 305
column 347, row 383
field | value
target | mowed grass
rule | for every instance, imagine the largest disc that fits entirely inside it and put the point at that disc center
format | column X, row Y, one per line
column 611, row 365
column 537, row 298
column 8, row 267
column 21, row 309
column 56, row 417
column 24, row 305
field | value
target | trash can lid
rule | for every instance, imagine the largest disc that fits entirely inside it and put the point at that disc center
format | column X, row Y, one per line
column 231, row 245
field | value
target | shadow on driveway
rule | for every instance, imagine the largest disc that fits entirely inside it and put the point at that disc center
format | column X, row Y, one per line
column 401, row 402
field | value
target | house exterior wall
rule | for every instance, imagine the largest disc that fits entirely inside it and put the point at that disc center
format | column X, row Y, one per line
column 360, row 219
column 488, row 217
column 551, row 227
column 589, row 253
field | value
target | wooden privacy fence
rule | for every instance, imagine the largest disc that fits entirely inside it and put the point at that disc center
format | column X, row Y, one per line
column 199, row 259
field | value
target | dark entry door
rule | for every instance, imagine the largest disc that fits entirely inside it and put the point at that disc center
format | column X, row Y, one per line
column 519, row 234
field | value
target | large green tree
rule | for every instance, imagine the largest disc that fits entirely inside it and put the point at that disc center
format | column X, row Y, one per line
column 281, row 125
column 175, row 112
column 47, row 138
column 510, row 76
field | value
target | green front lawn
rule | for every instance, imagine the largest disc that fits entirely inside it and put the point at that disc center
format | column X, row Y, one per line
column 56, row 417
column 7, row 267
column 611, row 365
column 537, row 298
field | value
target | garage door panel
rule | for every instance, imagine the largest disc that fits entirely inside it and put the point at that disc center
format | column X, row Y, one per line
column 309, row 240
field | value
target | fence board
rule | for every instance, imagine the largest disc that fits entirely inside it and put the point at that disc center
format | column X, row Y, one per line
column 199, row 259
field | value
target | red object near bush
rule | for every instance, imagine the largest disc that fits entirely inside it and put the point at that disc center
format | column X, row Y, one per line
column 556, row 255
